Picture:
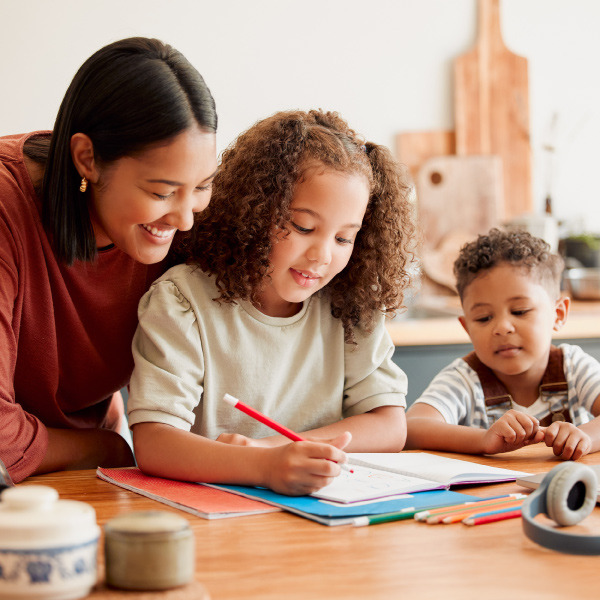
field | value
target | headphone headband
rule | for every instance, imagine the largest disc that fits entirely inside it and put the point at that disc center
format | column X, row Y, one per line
column 567, row 494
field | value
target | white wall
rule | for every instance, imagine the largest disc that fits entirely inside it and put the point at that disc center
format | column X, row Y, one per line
column 385, row 65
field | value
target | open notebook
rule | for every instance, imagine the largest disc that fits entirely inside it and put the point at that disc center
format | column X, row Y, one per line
column 377, row 475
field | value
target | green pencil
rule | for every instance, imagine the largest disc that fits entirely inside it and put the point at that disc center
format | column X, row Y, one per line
column 400, row 515
column 383, row 518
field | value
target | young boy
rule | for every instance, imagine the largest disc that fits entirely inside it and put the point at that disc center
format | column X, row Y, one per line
column 515, row 389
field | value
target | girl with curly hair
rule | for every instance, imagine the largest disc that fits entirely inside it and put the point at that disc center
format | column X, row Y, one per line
column 290, row 273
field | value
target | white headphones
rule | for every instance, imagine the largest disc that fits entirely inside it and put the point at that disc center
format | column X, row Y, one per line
column 567, row 495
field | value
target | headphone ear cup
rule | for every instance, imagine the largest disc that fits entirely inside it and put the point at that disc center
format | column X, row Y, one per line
column 571, row 494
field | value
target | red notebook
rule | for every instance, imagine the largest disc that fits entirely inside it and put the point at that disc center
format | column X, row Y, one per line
column 193, row 498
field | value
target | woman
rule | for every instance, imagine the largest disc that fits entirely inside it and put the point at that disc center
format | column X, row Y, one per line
column 88, row 213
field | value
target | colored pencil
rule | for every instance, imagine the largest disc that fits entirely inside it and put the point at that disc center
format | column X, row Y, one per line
column 456, row 517
column 424, row 514
column 288, row 433
column 499, row 516
column 469, row 510
column 403, row 514
column 382, row 518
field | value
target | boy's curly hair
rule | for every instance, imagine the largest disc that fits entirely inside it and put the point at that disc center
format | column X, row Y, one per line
column 252, row 194
column 514, row 246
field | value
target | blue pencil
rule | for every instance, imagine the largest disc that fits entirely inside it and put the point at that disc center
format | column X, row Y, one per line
column 492, row 517
column 492, row 512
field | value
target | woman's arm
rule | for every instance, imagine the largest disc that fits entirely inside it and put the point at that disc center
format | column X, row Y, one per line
column 84, row 449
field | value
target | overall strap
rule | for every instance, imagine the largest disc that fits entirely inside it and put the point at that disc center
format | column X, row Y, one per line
column 553, row 383
column 494, row 391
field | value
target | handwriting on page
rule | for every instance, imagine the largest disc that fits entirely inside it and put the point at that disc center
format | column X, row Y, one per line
column 363, row 483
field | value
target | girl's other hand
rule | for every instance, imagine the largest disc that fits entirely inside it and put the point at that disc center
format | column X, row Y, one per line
column 236, row 439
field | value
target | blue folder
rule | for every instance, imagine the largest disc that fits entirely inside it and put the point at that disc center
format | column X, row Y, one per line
column 329, row 513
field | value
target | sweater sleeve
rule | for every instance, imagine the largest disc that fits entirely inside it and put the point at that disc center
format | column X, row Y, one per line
column 23, row 438
column 372, row 379
column 167, row 380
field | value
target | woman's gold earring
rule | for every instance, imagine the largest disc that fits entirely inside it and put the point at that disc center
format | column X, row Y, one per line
column 83, row 186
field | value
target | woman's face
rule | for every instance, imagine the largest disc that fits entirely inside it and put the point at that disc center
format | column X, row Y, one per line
column 139, row 202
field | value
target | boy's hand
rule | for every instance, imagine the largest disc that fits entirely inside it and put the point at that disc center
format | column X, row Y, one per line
column 300, row 468
column 567, row 441
column 511, row 431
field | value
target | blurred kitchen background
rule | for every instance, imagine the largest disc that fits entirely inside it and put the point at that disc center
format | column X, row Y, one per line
column 494, row 105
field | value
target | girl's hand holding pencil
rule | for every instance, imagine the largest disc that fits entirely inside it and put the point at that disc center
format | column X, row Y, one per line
column 293, row 469
column 302, row 467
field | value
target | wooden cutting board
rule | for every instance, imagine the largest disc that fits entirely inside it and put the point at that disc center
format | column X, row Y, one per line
column 458, row 194
column 413, row 148
column 492, row 108
column 458, row 197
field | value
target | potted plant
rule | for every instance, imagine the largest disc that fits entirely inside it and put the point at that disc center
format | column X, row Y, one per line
column 585, row 248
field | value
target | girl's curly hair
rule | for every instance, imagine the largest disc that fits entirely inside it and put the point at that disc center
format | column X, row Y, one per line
column 252, row 194
column 514, row 246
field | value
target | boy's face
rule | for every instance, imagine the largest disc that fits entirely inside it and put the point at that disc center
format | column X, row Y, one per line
column 510, row 318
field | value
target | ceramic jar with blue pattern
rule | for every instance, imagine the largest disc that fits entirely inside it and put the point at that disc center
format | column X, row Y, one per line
column 48, row 547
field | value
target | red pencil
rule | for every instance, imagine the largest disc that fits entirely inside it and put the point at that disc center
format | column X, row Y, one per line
column 251, row 412
column 501, row 516
column 262, row 418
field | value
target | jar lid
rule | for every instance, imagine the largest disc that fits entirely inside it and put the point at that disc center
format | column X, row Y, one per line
column 147, row 522
column 33, row 514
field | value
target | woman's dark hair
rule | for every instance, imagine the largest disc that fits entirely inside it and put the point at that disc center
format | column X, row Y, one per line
column 252, row 194
column 126, row 97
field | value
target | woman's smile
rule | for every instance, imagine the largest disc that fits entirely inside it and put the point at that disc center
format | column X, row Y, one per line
column 161, row 234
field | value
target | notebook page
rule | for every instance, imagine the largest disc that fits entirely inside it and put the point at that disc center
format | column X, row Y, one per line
column 366, row 484
column 433, row 467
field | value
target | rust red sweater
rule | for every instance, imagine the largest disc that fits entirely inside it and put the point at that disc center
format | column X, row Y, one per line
column 65, row 332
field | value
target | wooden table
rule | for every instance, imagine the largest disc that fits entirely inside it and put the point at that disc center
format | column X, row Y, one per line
column 282, row 556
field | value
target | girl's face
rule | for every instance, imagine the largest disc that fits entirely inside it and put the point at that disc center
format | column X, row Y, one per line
column 139, row 202
column 327, row 212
